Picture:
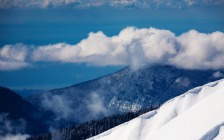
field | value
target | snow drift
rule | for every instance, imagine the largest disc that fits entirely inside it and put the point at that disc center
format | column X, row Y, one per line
column 196, row 114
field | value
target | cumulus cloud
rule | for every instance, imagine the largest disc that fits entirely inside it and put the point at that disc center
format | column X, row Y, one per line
column 199, row 51
column 13, row 57
column 113, row 3
column 132, row 46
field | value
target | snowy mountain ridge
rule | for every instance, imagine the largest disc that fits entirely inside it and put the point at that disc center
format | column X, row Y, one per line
column 120, row 92
column 196, row 114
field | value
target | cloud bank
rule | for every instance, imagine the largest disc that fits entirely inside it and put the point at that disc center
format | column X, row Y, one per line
column 112, row 3
column 132, row 46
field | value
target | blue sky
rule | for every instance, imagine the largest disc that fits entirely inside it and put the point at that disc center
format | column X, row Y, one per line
column 35, row 26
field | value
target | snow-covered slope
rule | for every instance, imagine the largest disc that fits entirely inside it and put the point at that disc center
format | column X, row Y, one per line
column 196, row 114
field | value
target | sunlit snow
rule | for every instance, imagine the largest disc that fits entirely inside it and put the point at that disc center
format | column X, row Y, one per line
column 196, row 114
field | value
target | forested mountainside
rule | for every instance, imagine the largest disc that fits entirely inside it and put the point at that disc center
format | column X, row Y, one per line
column 123, row 91
column 17, row 115
column 90, row 128
column 196, row 114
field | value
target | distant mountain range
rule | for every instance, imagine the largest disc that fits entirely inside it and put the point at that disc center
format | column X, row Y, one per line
column 25, row 93
column 123, row 91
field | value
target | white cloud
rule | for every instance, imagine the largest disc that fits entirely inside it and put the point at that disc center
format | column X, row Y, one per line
column 11, row 130
column 12, row 65
column 13, row 57
column 132, row 46
column 55, row 134
column 59, row 105
column 15, row 137
column 113, row 3
column 199, row 51
column 218, row 74
column 96, row 105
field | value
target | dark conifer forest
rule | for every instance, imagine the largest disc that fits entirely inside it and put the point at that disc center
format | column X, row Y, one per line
column 90, row 128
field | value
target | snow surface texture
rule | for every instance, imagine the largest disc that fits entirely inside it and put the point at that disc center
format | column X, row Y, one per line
column 195, row 115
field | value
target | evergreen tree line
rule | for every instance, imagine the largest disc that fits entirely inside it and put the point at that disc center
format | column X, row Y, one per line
column 91, row 128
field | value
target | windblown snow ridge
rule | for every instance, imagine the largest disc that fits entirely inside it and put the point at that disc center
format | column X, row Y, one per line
column 196, row 114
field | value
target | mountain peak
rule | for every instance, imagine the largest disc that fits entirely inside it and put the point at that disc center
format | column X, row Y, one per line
column 123, row 91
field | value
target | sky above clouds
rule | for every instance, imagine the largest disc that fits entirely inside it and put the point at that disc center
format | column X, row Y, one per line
column 113, row 3
column 49, row 44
